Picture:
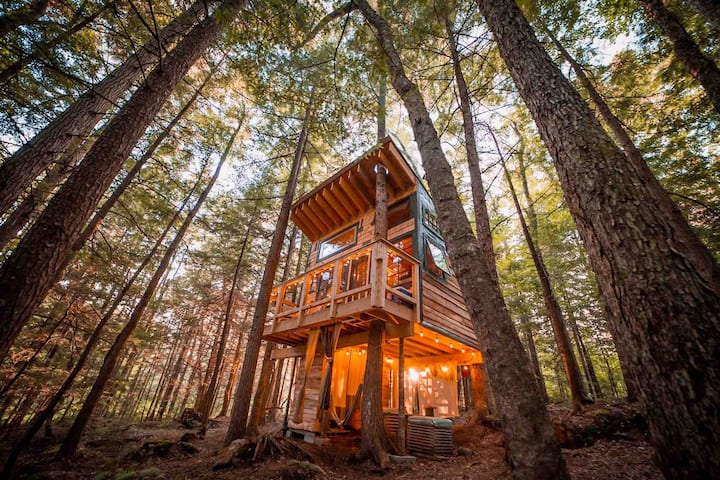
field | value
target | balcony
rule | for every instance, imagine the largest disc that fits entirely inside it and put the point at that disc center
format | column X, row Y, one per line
column 369, row 282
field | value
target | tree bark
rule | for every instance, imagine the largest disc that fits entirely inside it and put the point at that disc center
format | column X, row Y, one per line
column 482, row 217
column 700, row 66
column 72, row 440
column 479, row 393
column 374, row 440
column 663, row 311
column 557, row 322
column 243, row 392
column 522, row 411
column 697, row 250
column 34, row 266
column 262, row 391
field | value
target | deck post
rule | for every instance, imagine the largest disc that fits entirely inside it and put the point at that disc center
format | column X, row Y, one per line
column 381, row 231
column 401, row 396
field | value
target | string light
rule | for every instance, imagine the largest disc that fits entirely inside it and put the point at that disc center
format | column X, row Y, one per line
column 437, row 340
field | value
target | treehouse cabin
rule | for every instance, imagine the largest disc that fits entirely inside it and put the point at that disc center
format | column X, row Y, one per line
column 355, row 275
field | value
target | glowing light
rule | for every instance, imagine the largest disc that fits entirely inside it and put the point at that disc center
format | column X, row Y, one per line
column 421, row 333
column 462, row 350
column 451, row 345
column 437, row 340
column 472, row 354
column 413, row 374
column 347, row 353
column 389, row 360
column 444, row 368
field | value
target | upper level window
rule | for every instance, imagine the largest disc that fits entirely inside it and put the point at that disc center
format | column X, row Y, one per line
column 336, row 243
column 430, row 219
column 436, row 259
column 398, row 213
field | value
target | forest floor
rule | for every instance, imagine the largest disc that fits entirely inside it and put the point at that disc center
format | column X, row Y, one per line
column 608, row 440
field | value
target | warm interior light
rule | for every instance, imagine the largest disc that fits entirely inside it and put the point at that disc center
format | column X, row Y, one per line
column 437, row 340
column 413, row 374
column 389, row 360
column 462, row 350
column 444, row 368
column 451, row 345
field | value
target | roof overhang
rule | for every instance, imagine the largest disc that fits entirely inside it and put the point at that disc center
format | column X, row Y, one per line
column 351, row 191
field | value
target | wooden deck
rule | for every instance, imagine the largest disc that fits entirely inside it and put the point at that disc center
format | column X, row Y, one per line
column 375, row 281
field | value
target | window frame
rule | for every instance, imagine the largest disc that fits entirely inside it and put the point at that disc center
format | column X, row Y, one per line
column 320, row 243
column 440, row 245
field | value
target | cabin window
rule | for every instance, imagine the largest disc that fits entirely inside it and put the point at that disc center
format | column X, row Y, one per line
column 337, row 243
column 430, row 219
column 398, row 213
column 436, row 260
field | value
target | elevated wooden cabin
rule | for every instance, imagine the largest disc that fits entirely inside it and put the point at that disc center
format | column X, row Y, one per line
column 322, row 316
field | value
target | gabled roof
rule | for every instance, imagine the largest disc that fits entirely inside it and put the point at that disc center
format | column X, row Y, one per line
column 351, row 191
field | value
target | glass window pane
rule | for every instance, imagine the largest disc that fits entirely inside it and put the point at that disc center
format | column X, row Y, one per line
column 436, row 259
column 340, row 241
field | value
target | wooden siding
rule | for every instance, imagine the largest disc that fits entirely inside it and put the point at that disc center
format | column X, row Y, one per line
column 443, row 307
column 312, row 394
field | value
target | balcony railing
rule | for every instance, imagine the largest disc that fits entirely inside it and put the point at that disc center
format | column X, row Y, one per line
column 369, row 277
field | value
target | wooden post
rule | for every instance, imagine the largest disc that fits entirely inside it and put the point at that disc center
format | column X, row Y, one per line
column 381, row 225
column 401, row 396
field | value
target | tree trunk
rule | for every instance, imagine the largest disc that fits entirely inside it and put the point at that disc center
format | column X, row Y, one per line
column 208, row 404
column 708, row 9
column 235, row 365
column 23, row 214
column 77, row 121
column 584, row 353
column 482, row 217
column 532, row 447
column 479, row 393
column 34, row 266
column 699, row 253
column 48, row 408
column 701, row 67
column 382, row 110
column 70, row 445
column 243, row 392
column 557, row 322
column 526, row 328
column 24, row 15
column 663, row 311
column 42, row 49
column 374, row 440
column 25, row 211
column 262, row 391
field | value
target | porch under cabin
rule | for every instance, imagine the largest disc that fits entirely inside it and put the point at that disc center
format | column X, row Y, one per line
column 321, row 317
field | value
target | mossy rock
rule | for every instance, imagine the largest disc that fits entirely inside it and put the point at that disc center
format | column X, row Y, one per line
column 155, row 448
